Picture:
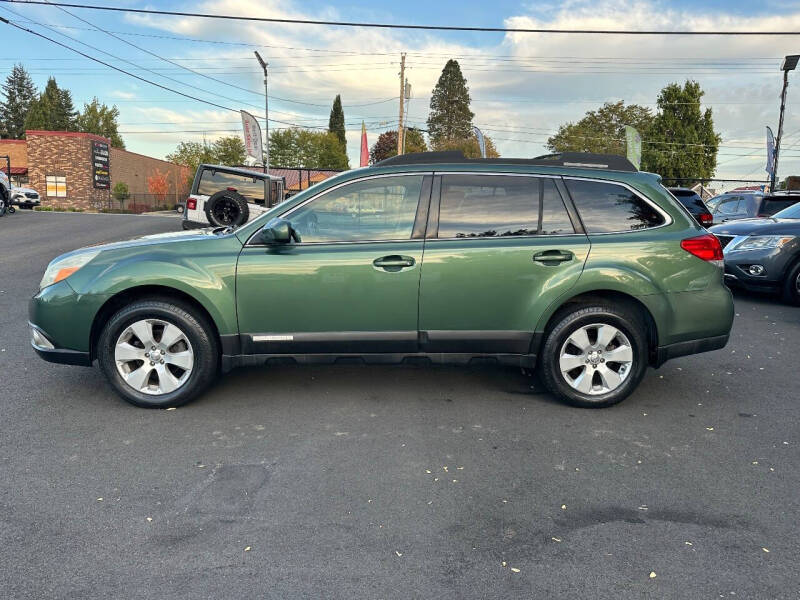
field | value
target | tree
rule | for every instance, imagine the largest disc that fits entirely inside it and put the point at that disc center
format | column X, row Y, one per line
column 450, row 118
column 229, row 151
column 603, row 130
column 158, row 185
column 99, row 119
column 19, row 92
column 386, row 144
column 471, row 148
column 297, row 147
column 688, row 143
column 191, row 154
column 336, row 122
column 52, row 110
column 121, row 192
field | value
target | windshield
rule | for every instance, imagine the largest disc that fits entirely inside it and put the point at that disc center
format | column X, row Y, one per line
column 793, row 212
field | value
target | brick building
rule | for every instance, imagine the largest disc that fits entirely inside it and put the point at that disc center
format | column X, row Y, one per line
column 79, row 170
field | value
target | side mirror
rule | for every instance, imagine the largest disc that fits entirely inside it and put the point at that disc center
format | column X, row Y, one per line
column 278, row 231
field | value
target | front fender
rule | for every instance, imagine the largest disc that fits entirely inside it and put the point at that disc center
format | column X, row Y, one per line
column 207, row 276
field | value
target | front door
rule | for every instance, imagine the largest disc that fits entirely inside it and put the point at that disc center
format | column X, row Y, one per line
column 503, row 249
column 350, row 285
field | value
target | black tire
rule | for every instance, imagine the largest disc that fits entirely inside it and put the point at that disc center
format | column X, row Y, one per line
column 566, row 323
column 11, row 209
column 791, row 285
column 227, row 209
column 197, row 330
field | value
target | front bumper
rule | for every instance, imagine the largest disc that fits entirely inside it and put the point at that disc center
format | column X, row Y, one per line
column 25, row 202
column 46, row 350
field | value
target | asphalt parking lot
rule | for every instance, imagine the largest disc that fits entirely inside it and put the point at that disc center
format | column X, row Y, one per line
column 393, row 482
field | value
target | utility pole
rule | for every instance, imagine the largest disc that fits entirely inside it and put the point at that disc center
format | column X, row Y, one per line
column 789, row 64
column 400, row 127
column 264, row 66
column 407, row 91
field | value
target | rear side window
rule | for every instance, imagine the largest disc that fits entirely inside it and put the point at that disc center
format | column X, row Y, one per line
column 770, row 205
column 555, row 219
column 212, row 182
column 608, row 207
column 488, row 206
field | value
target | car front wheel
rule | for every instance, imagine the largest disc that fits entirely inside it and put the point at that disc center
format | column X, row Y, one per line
column 595, row 355
column 158, row 353
column 791, row 286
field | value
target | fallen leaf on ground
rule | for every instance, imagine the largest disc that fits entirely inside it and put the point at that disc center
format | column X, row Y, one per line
column 398, row 553
column 503, row 563
column 99, row 499
column 149, row 519
column 765, row 550
column 563, row 507
column 710, row 428
column 247, row 549
column 555, row 539
column 514, row 570
column 652, row 574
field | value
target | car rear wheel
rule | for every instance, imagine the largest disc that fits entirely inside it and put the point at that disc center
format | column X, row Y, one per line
column 595, row 355
column 791, row 286
column 158, row 353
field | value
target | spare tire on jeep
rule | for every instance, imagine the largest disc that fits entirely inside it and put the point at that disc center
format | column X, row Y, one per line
column 227, row 209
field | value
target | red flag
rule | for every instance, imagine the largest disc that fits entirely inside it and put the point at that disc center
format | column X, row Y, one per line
column 364, row 147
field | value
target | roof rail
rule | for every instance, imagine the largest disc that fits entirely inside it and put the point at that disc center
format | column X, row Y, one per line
column 580, row 160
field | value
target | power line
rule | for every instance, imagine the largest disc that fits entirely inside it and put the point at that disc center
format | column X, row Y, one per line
column 402, row 26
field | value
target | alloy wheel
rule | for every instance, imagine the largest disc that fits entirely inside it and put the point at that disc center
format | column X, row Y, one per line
column 153, row 356
column 596, row 359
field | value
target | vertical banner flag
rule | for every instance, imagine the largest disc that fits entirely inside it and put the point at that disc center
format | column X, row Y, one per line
column 633, row 144
column 251, row 134
column 481, row 142
column 770, row 152
column 364, row 147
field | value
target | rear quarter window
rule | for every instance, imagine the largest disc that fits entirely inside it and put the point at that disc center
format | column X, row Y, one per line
column 609, row 207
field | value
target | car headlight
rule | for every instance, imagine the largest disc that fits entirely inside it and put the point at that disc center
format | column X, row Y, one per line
column 61, row 268
column 760, row 242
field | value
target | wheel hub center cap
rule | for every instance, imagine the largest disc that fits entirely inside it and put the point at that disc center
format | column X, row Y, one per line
column 593, row 357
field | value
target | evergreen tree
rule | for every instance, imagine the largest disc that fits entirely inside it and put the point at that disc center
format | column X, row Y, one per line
column 450, row 119
column 53, row 110
column 683, row 142
column 99, row 119
column 336, row 121
column 19, row 92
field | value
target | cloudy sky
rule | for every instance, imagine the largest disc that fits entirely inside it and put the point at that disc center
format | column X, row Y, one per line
column 523, row 86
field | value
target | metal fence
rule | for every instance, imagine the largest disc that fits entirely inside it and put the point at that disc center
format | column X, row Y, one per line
column 713, row 187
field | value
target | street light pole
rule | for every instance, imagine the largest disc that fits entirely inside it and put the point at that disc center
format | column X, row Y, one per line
column 264, row 66
column 789, row 64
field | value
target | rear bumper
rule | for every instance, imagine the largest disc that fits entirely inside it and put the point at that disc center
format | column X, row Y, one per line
column 664, row 353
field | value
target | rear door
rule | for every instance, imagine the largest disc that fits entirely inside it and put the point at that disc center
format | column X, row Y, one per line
column 498, row 250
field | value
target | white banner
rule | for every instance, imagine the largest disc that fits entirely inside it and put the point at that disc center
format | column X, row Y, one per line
column 251, row 134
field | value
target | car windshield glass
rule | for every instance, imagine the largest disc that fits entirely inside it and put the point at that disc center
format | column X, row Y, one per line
column 793, row 212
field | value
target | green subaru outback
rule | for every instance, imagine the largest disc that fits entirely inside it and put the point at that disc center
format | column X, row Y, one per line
column 577, row 264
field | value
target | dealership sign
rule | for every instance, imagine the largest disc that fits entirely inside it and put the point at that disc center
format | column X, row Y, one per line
column 100, row 166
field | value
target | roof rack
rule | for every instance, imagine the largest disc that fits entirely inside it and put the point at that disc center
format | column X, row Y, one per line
column 579, row 160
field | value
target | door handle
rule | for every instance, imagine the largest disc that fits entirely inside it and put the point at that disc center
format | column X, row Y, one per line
column 553, row 256
column 395, row 262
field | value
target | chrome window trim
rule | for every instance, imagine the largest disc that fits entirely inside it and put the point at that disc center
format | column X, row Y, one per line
column 336, row 187
column 668, row 220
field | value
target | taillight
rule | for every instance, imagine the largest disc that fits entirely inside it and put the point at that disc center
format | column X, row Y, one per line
column 705, row 247
column 706, row 219
column 191, row 204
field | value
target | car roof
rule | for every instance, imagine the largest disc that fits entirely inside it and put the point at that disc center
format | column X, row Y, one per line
column 239, row 171
column 566, row 160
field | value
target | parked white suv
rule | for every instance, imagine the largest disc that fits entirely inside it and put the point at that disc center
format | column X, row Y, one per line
column 230, row 197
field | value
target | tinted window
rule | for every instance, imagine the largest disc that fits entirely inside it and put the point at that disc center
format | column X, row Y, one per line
column 212, row 182
column 382, row 208
column 606, row 207
column 692, row 202
column 488, row 206
column 771, row 205
column 555, row 219
column 793, row 212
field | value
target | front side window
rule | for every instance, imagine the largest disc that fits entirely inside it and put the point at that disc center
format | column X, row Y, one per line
column 212, row 181
column 56, row 186
column 382, row 208
column 488, row 206
column 609, row 207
